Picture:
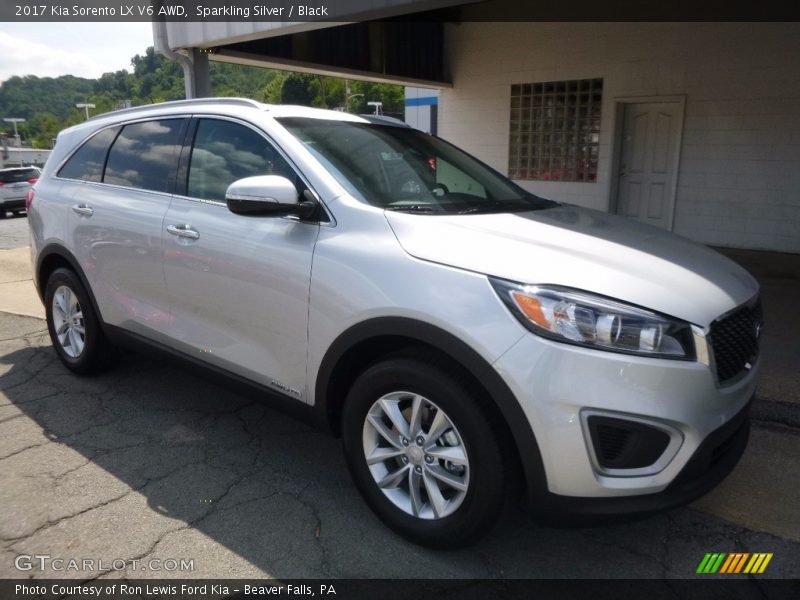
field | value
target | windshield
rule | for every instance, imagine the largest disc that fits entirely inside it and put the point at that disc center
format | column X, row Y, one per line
column 399, row 168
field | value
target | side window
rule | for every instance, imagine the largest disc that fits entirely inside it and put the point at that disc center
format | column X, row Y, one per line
column 145, row 155
column 87, row 162
column 224, row 152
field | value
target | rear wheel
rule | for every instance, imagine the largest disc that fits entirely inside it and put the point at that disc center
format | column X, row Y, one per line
column 73, row 325
column 423, row 453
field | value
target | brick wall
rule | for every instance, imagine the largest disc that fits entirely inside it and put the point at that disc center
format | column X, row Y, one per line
column 739, row 174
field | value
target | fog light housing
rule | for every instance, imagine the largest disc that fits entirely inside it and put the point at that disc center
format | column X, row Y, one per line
column 628, row 446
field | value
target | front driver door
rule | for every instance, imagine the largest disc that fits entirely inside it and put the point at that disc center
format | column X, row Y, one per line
column 238, row 285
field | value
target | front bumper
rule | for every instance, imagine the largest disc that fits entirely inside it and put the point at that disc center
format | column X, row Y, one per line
column 711, row 463
column 556, row 383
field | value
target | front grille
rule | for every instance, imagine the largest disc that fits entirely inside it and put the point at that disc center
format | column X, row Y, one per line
column 734, row 341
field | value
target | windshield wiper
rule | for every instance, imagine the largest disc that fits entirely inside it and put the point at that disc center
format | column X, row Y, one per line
column 492, row 205
column 413, row 208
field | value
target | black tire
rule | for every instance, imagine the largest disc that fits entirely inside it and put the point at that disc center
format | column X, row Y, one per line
column 483, row 500
column 97, row 353
column 2, row 213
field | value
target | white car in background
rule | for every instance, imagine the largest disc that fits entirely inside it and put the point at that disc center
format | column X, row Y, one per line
column 14, row 185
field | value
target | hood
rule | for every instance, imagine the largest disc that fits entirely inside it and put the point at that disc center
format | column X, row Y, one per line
column 587, row 250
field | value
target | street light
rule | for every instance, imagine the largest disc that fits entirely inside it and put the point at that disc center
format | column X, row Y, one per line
column 348, row 96
column 85, row 105
column 15, row 120
column 347, row 101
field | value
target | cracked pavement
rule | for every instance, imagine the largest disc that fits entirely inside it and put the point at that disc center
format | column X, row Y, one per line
column 149, row 462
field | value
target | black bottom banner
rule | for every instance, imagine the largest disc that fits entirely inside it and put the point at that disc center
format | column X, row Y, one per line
column 396, row 589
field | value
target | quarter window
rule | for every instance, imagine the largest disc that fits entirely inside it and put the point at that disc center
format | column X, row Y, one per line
column 555, row 130
column 87, row 162
column 145, row 155
column 224, row 152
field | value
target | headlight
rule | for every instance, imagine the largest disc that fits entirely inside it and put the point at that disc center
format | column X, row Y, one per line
column 581, row 318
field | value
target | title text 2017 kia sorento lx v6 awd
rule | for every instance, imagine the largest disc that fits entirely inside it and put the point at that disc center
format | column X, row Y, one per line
column 458, row 332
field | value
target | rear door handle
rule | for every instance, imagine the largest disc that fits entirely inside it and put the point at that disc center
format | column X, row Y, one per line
column 184, row 231
column 83, row 210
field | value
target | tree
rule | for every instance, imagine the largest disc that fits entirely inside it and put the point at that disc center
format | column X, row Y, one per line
column 48, row 103
column 296, row 89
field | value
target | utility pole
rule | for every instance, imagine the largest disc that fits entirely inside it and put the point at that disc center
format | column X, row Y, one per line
column 15, row 120
column 87, row 106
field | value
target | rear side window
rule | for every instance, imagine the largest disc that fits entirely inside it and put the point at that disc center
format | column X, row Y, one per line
column 145, row 155
column 87, row 162
column 224, row 152
column 18, row 175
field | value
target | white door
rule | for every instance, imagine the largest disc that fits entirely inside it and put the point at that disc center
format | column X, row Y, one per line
column 648, row 161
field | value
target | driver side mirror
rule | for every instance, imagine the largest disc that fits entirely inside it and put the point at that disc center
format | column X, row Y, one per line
column 266, row 195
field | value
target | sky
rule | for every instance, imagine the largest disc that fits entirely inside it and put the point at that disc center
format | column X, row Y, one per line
column 81, row 49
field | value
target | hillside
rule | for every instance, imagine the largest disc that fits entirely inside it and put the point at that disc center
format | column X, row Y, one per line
column 48, row 103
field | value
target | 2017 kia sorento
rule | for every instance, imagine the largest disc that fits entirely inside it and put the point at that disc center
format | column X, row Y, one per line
column 457, row 331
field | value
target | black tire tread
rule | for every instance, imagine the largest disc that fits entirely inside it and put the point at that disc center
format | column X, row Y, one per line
column 478, row 515
column 99, row 354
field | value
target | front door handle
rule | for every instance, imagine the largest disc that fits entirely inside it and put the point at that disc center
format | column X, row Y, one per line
column 83, row 209
column 184, row 231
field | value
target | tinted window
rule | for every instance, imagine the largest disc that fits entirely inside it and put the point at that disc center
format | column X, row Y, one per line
column 87, row 162
column 145, row 155
column 18, row 175
column 224, row 152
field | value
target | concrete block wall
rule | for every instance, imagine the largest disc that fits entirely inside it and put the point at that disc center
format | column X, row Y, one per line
column 739, row 175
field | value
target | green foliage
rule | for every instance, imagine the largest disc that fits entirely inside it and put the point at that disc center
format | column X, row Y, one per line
column 48, row 103
column 296, row 89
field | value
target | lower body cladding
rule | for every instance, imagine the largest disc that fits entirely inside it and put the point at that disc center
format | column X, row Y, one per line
column 625, row 434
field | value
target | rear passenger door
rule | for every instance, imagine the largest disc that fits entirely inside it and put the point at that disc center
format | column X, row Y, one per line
column 117, row 216
column 238, row 284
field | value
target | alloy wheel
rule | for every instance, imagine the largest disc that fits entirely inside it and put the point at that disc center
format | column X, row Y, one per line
column 68, row 322
column 416, row 455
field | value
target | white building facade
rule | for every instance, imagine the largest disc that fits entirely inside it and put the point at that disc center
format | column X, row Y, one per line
column 692, row 127
column 731, row 94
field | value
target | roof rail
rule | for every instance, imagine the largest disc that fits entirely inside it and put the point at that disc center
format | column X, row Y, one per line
column 192, row 102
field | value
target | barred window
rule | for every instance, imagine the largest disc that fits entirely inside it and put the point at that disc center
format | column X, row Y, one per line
column 555, row 130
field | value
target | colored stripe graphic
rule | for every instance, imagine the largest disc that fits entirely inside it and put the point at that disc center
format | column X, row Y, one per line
column 727, row 564
column 733, row 563
column 702, row 567
column 758, row 563
column 736, row 561
column 711, row 562
column 740, row 564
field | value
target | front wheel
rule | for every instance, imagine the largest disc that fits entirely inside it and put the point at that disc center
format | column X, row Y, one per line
column 423, row 452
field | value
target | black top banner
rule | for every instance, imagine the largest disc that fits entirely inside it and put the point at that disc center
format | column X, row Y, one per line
column 282, row 11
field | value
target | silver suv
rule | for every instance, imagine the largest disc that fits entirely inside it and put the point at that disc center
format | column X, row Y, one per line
column 464, row 337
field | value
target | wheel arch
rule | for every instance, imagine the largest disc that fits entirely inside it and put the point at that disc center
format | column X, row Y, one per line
column 55, row 256
column 367, row 342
